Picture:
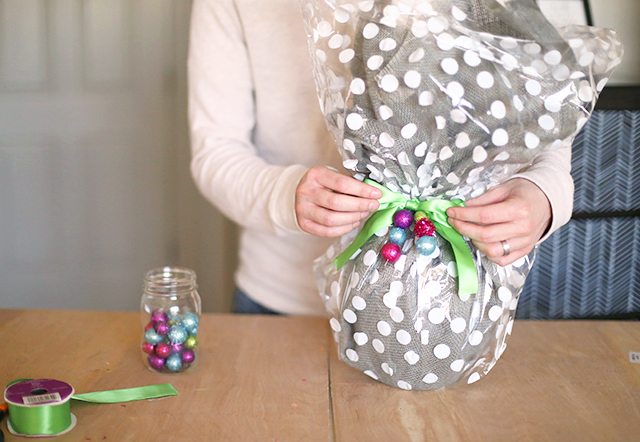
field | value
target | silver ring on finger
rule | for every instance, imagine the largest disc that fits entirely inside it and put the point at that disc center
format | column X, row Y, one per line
column 506, row 249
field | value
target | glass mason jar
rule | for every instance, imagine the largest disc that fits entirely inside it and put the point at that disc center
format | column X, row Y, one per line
column 170, row 313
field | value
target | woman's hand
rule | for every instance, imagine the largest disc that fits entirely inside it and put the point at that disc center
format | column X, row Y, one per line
column 516, row 211
column 330, row 204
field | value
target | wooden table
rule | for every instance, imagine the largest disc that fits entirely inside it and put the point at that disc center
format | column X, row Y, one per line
column 272, row 378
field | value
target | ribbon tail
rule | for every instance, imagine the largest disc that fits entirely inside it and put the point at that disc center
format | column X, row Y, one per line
column 467, row 275
column 379, row 220
column 127, row 394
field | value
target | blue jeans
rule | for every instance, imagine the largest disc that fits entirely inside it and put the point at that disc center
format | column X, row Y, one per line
column 244, row 305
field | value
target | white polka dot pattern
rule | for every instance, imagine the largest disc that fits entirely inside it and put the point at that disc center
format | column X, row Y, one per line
column 431, row 101
column 352, row 355
column 441, row 351
column 403, row 337
column 430, row 378
column 360, row 338
column 411, row 357
column 349, row 316
column 457, row 365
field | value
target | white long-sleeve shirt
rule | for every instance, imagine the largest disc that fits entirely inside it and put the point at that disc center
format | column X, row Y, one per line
column 256, row 128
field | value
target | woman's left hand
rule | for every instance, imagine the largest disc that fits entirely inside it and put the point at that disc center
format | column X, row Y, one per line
column 517, row 212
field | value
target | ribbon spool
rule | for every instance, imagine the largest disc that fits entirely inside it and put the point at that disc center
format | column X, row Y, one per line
column 42, row 407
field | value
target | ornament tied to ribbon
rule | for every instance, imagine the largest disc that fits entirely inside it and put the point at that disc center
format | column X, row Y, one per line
column 436, row 210
column 42, row 407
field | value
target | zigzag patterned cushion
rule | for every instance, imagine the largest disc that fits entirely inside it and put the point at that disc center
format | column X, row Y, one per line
column 588, row 268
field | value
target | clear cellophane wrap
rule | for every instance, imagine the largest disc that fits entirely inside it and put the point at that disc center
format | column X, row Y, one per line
column 441, row 99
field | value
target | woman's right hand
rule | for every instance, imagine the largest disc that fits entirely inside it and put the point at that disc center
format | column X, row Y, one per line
column 330, row 204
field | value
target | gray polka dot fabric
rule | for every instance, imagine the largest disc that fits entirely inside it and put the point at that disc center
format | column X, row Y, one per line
column 440, row 99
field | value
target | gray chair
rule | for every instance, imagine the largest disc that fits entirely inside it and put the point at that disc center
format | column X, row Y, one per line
column 591, row 267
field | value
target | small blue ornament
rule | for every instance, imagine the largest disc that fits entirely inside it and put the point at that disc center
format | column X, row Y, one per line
column 177, row 334
column 190, row 322
column 397, row 235
column 426, row 245
column 174, row 362
column 173, row 318
column 152, row 337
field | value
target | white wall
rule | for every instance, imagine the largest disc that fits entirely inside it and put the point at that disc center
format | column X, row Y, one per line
column 94, row 154
column 623, row 16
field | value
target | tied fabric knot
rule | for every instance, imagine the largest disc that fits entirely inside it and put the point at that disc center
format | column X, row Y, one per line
column 436, row 210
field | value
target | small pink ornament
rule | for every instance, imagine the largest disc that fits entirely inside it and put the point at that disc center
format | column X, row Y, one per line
column 176, row 348
column 188, row 356
column 391, row 252
column 403, row 218
column 163, row 350
column 147, row 347
column 162, row 328
column 149, row 326
column 159, row 316
column 156, row 362
column 424, row 227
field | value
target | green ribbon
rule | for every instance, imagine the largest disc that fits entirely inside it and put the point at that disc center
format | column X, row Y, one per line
column 127, row 394
column 436, row 210
column 47, row 420
column 53, row 419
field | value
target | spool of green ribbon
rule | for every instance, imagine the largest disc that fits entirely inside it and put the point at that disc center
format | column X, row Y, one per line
column 42, row 407
column 436, row 210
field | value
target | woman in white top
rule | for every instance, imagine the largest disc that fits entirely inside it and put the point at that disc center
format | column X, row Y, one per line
column 260, row 151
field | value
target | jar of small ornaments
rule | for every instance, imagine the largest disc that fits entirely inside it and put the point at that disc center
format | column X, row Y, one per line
column 170, row 313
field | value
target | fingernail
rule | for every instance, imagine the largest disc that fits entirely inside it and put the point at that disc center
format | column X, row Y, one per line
column 450, row 212
column 373, row 205
column 375, row 193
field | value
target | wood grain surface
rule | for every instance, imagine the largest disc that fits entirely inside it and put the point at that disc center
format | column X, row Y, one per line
column 557, row 381
column 279, row 379
column 257, row 378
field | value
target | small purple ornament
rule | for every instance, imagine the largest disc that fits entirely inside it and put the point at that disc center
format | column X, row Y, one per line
column 156, row 362
column 188, row 356
column 147, row 347
column 162, row 328
column 403, row 218
column 163, row 350
column 176, row 348
column 391, row 252
column 159, row 316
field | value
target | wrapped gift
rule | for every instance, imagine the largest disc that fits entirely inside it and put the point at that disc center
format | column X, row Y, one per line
column 435, row 102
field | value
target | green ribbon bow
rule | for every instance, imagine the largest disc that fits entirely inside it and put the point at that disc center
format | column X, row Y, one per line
column 436, row 210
